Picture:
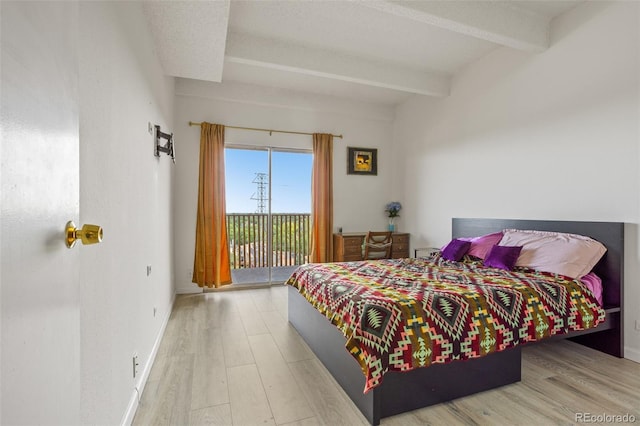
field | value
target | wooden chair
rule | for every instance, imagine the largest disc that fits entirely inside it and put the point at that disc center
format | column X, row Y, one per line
column 377, row 245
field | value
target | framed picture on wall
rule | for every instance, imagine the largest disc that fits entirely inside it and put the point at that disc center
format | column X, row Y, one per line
column 362, row 161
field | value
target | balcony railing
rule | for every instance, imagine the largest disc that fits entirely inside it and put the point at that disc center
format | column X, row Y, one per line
column 249, row 239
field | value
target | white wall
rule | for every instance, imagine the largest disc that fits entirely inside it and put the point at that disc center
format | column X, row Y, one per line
column 358, row 200
column 128, row 191
column 547, row 136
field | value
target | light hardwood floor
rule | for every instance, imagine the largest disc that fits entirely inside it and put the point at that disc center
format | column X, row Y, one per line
column 231, row 358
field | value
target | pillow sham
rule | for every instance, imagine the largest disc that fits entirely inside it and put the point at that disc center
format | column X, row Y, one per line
column 593, row 283
column 559, row 253
column 455, row 249
column 503, row 257
column 480, row 246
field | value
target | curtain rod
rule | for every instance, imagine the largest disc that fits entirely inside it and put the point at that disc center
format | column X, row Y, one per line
column 193, row 123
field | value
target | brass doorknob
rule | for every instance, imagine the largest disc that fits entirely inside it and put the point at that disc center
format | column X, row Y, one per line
column 89, row 234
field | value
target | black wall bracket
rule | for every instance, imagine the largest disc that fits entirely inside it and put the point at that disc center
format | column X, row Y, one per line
column 168, row 147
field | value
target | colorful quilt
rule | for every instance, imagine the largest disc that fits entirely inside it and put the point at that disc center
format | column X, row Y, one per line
column 401, row 314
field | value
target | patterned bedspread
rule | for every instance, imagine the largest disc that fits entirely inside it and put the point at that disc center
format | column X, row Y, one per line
column 401, row 314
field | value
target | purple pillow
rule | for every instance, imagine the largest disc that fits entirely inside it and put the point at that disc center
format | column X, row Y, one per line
column 503, row 257
column 455, row 249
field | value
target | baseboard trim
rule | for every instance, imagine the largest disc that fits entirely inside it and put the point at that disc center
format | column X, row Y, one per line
column 136, row 394
column 632, row 354
column 189, row 288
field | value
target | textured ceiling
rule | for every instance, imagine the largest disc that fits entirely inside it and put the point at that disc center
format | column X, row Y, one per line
column 189, row 36
column 371, row 50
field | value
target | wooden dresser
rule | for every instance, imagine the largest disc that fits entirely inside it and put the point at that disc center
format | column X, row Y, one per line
column 348, row 247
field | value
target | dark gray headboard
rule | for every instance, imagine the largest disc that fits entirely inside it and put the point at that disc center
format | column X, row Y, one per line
column 610, row 268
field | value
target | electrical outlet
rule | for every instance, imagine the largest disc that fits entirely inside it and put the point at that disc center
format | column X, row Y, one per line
column 148, row 270
column 189, row 273
column 154, row 311
column 150, row 128
column 637, row 325
column 135, row 365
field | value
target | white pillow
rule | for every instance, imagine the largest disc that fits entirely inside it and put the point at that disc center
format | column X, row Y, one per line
column 559, row 253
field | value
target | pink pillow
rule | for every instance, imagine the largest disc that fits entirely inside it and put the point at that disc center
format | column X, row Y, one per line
column 593, row 283
column 481, row 245
column 559, row 253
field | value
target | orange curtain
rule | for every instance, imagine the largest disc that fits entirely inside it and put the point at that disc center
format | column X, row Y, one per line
column 211, row 265
column 322, row 199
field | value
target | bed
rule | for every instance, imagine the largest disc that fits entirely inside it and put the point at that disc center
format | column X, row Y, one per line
column 404, row 391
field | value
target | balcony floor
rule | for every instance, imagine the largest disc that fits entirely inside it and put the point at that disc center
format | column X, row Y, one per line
column 253, row 276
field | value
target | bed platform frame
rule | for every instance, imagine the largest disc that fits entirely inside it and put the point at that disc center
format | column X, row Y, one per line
column 401, row 392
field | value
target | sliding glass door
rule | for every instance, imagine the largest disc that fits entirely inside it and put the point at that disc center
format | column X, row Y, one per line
column 290, row 211
column 268, row 194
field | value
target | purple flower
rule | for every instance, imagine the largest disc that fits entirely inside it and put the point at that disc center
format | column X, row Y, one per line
column 393, row 208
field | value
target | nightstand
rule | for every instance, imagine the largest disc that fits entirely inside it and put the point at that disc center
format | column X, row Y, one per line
column 424, row 251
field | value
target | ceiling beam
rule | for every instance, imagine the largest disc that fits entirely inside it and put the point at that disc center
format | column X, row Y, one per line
column 178, row 28
column 268, row 53
column 498, row 22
